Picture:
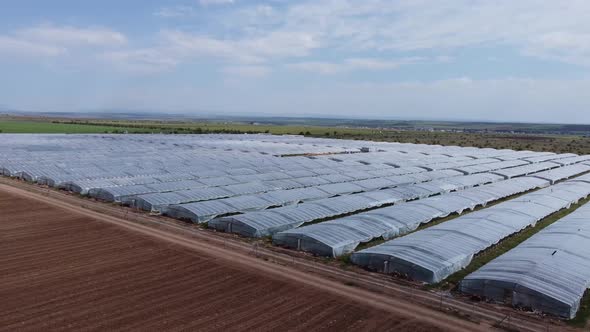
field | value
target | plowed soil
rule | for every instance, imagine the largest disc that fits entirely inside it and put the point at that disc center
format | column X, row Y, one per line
column 60, row 270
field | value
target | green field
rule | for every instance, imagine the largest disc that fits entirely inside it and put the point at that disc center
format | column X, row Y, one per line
column 578, row 144
column 20, row 127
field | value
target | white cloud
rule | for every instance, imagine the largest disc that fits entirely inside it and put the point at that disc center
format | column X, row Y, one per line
column 176, row 47
column 53, row 41
column 546, row 29
column 443, row 58
column 353, row 64
column 376, row 64
column 254, row 34
column 256, row 17
column 247, row 71
column 175, row 12
column 317, row 67
column 570, row 47
column 250, row 49
column 18, row 47
column 215, row 2
column 141, row 60
column 72, row 36
column 185, row 45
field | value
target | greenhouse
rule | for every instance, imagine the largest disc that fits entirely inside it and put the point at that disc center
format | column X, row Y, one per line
column 562, row 173
column 433, row 254
column 525, row 169
column 549, row 272
column 341, row 236
column 268, row 222
column 262, row 184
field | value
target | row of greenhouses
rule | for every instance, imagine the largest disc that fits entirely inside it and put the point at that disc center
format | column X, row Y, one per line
column 422, row 211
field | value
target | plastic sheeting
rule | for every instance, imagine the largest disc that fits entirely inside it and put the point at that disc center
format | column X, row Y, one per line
column 263, row 223
column 432, row 254
column 207, row 210
column 572, row 160
column 481, row 168
column 549, row 272
column 526, row 169
column 341, row 236
column 562, row 173
column 550, row 157
column 248, row 173
column 204, row 211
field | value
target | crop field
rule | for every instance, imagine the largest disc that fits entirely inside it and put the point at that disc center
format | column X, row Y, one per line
column 530, row 137
column 447, row 218
column 63, row 271
column 11, row 126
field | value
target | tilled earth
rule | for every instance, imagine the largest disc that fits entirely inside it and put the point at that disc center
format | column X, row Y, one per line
column 64, row 271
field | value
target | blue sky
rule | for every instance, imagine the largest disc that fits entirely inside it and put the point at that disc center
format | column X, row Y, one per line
column 526, row 60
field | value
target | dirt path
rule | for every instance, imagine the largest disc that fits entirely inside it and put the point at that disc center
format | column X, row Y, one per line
column 410, row 312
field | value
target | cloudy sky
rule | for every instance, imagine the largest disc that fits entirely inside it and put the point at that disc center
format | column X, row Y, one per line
column 504, row 60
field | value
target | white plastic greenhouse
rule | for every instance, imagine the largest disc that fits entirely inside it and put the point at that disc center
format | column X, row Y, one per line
column 433, row 254
column 548, row 272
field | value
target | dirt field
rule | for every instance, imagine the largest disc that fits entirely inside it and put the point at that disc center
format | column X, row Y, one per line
column 62, row 270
